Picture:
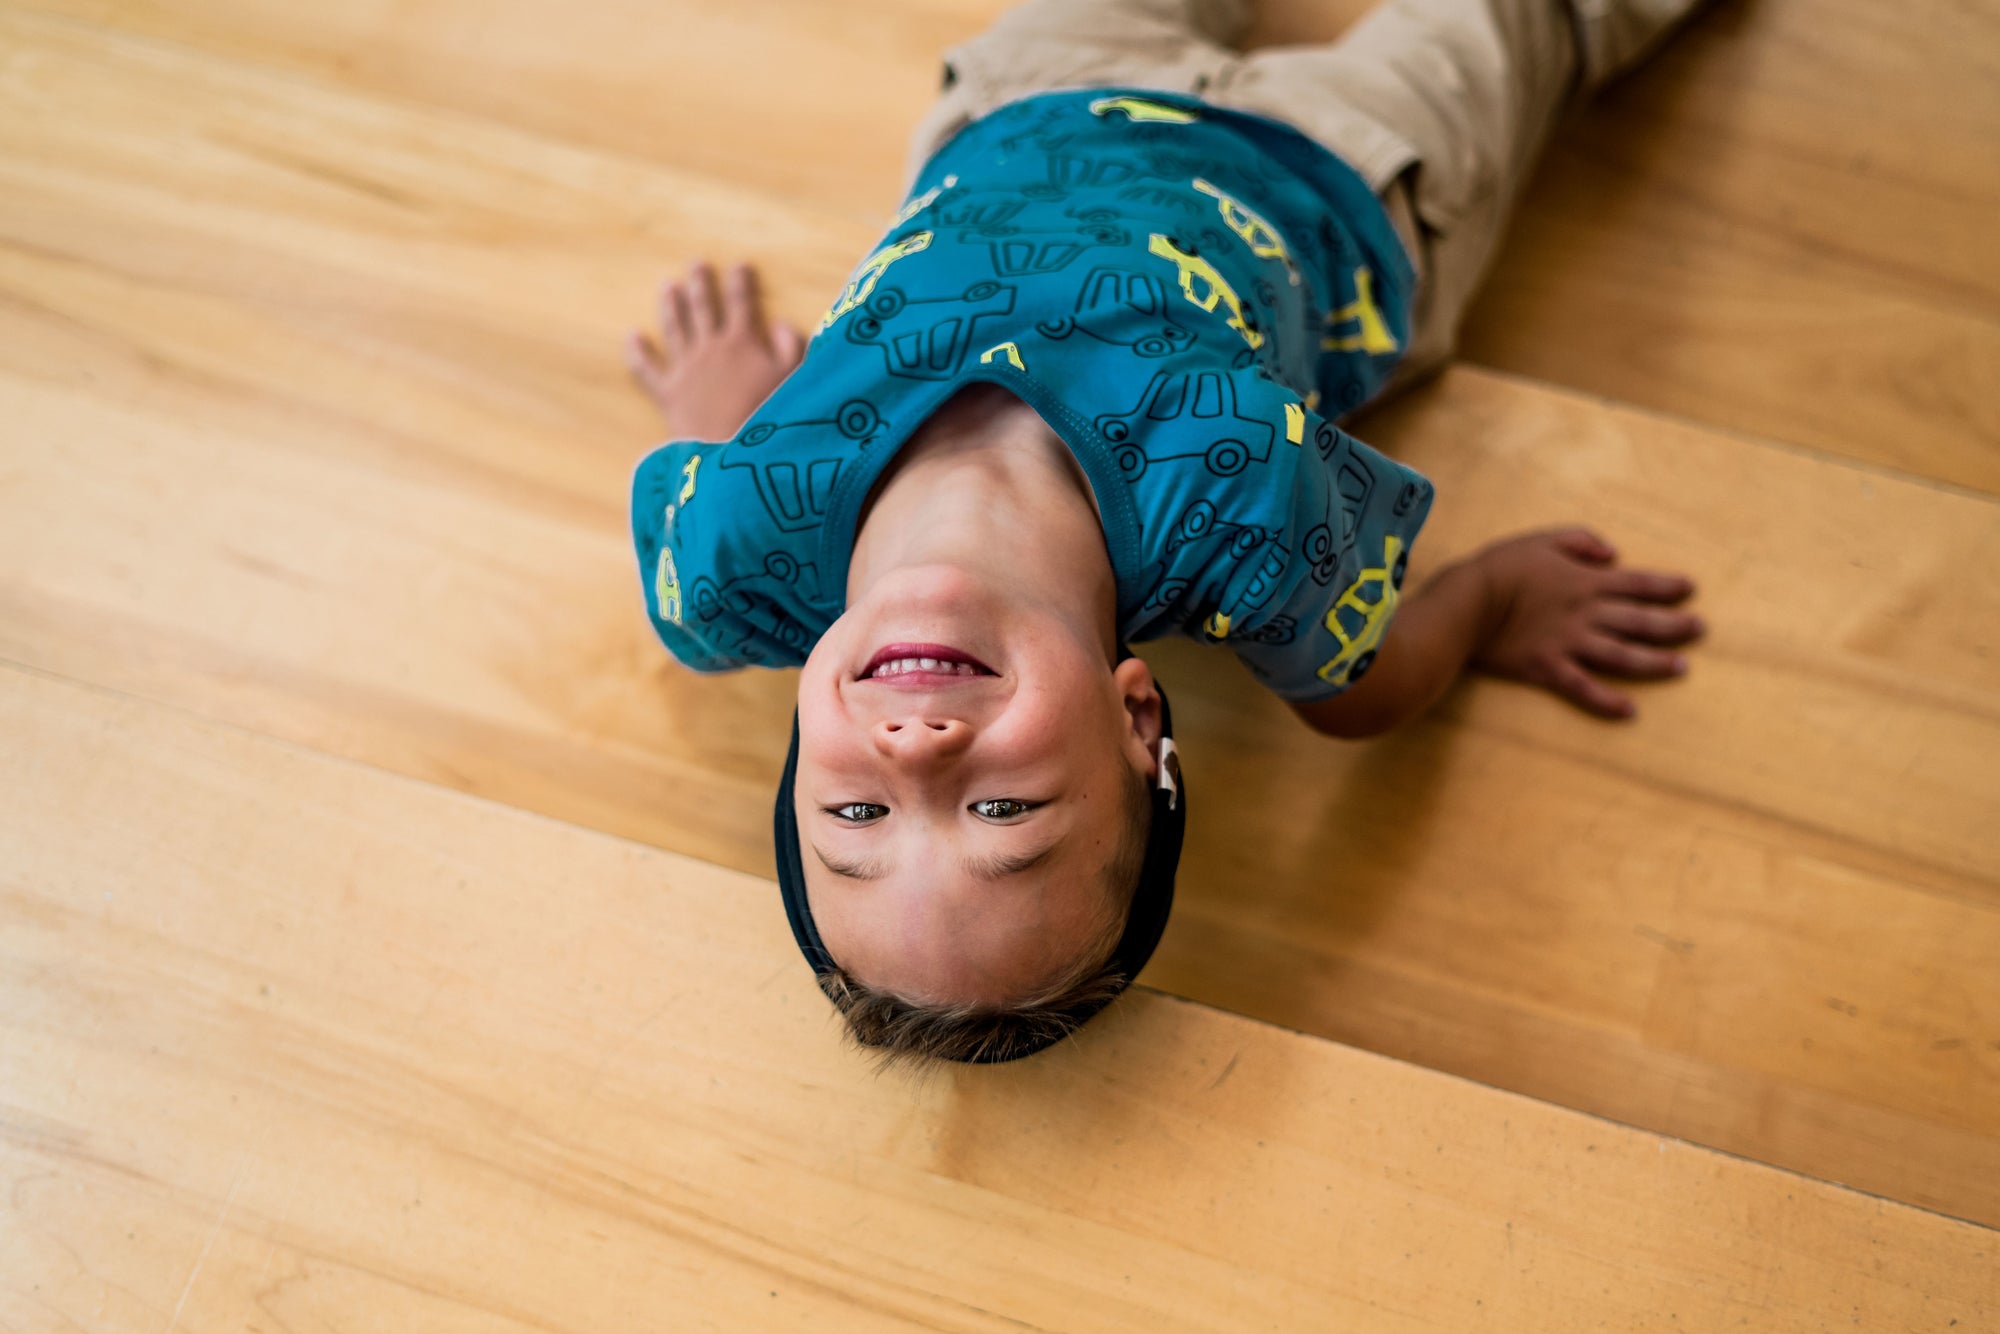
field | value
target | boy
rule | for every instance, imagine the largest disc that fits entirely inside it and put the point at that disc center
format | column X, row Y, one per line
column 1082, row 395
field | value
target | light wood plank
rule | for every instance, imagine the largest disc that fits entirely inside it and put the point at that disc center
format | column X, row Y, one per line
column 810, row 99
column 287, row 1040
column 311, row 322
column 1782, row 227
column 315, row 428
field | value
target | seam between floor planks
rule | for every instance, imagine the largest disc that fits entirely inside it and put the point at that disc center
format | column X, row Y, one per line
column 1721, row 430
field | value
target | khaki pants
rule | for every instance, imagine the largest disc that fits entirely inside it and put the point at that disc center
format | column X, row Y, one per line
column 1442, row 106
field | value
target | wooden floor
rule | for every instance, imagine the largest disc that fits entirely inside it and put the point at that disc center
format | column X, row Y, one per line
column 1783, row 227
column 315, row 433
column 277, row 1073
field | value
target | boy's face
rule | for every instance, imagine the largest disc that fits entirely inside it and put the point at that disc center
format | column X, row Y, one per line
column 957, row 820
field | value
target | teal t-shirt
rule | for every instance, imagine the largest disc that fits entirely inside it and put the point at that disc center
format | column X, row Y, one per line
column 1186, row 295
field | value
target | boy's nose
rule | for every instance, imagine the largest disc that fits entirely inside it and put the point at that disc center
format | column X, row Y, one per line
column 921, row 740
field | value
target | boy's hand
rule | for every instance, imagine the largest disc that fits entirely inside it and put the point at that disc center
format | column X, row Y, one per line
column 715, row 358
column 1557, row 611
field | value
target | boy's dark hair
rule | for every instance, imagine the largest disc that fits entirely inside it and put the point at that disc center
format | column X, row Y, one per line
column 899, row 1030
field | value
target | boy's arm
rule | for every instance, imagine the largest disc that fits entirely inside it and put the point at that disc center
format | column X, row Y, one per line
column 1546, row 608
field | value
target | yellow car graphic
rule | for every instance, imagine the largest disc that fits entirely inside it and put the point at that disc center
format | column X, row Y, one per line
column 870, row 273
column 922, row 202
column 1194, row 269
column 1295, row 423
column 1144, row 110
column 1013, row 351
column 1372, row 332
column 1358, row 647
column 1259, row 235
column 667, row 587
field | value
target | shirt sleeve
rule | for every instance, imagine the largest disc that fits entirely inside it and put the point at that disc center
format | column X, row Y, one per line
column 663, row 483
column 1355, row 514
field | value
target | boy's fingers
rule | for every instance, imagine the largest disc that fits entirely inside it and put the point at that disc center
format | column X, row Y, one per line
column 739, row 298
column 675, row 327
column 1648, row 585
column 648, row 367
column 641, row 356
column 701, row 298
column 1648, row 625
column 788, row 344
column 1581, row 688
column 1585, row 545
column 1635, row 661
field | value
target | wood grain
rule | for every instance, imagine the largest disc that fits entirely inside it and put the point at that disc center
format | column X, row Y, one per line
column 805, row 98
column 315, row 427
column 1782, row 226
column 290, row 1043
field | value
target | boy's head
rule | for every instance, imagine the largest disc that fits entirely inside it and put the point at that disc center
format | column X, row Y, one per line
column 973, row 802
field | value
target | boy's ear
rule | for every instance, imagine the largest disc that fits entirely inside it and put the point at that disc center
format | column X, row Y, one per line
column 1141, row 697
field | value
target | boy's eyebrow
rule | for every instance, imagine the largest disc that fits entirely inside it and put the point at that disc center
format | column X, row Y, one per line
column 851, row 870
column 993, row 868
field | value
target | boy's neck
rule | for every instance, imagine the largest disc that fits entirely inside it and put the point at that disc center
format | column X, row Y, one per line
column 985, row 486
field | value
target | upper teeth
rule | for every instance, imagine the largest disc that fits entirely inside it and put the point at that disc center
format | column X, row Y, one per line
column 899, row 666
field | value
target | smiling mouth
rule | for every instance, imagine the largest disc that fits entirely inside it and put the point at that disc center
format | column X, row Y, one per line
column 914, row 663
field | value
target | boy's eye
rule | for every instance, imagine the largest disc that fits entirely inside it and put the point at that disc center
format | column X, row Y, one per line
column 1001, row 808
column 858, row 812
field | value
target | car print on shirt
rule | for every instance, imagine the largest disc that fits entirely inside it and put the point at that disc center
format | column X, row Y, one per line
column 928, row 337
column 1204, row 287
column 1125, row 308
column 748, row 605
column 923, row 201
column 870, row 272
column 1371, row 331
column 1144, row 110
column 1187, row 415
column 1260, row 236
column 1358, row 621
column 667, row 587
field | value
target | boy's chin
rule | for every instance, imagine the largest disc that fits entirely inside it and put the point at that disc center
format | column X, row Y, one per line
column 925, row 601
